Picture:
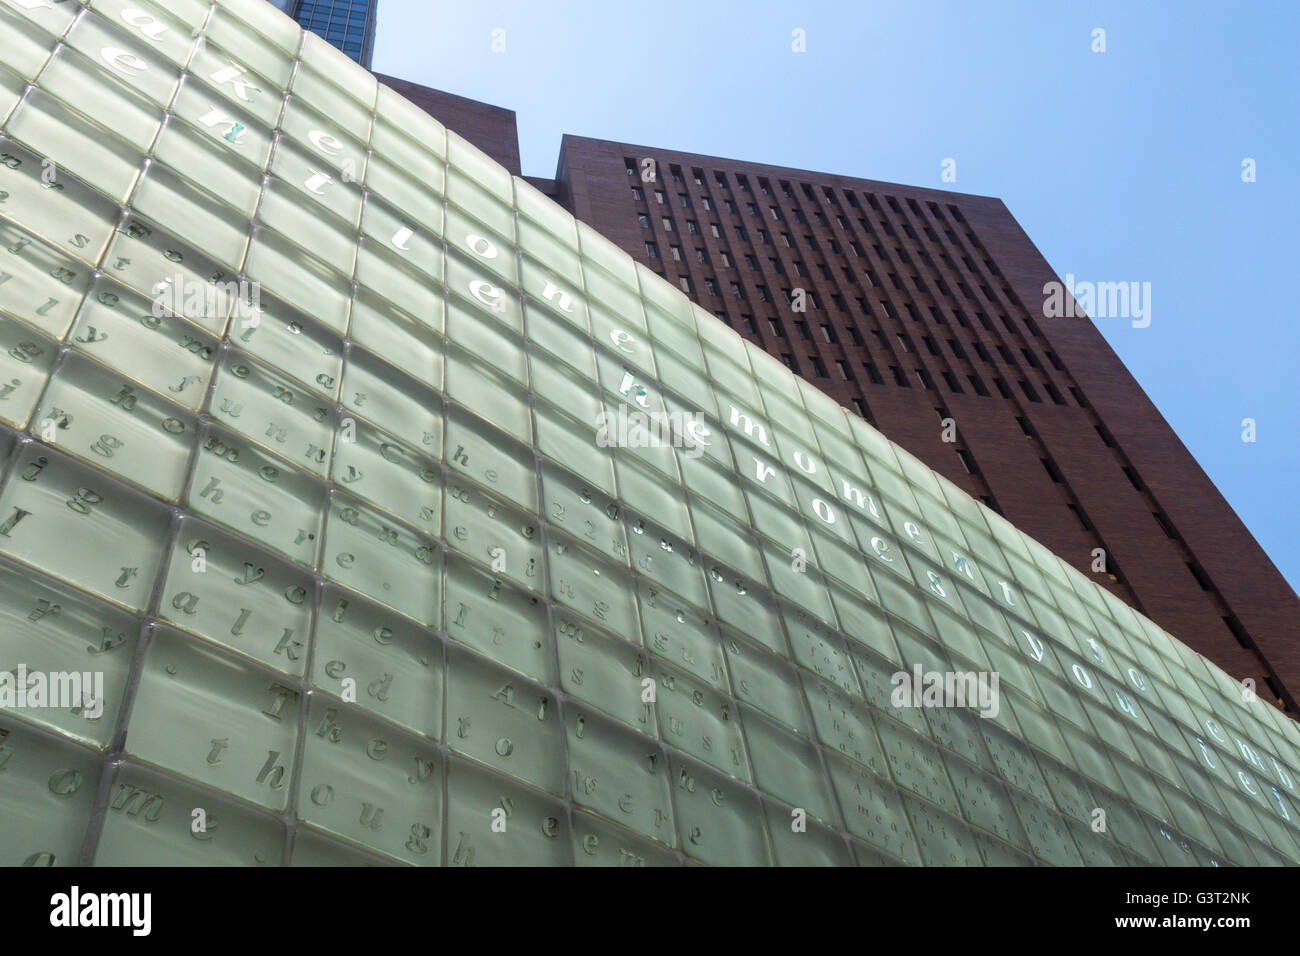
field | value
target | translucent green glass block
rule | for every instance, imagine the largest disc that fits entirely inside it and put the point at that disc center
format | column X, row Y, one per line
column 50, row 500
column 53, row 629
column 216, row 719
column 386, row 662
column 238, row 596
column 363, row 507
column 620, row 775
column 150, row 821
column 48, row 789
column 369, row 783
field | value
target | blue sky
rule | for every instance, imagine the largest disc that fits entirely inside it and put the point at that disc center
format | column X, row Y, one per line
column 1123, row 165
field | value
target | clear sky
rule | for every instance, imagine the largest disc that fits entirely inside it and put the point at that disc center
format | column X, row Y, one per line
column 1123, row 165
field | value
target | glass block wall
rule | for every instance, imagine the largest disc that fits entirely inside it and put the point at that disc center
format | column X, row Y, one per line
column 391, row 516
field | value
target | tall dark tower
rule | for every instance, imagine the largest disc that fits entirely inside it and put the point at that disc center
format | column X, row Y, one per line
column 922, row 309
column 348, row 25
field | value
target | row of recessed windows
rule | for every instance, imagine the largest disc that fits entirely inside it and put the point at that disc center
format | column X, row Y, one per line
column 871, row 277
column 845, row 369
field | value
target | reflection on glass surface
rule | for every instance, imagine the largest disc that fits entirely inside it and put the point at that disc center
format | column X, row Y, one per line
column 305, row 418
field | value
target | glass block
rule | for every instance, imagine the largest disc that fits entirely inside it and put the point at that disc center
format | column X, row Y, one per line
column 873, row 809
column 150, row 822
column 747, row 608
column 606, row 672
column 324, row 139
column 720, row 821
column 676, row 632
column 574, row 504
column 387, row 663
column 100, row 159
column 316, row 850
column 811, row 845
column 221, row 72
column 764, row 681
column 144, row 340
column 94, row 413
column 26, row 358
column 503, row 721
column 985, row 803
column 940, row 839
column 282, row 209
column 820, row 649
column 382, row 559
column 493, row 821
column 471, row 200
column 495, row 534
column 726, row 539
column 50, row 499
column 596, row 842
column 667, row 560
column 548, row 294
column 563, row 439
column 12, row 88
column 48, row 792
column 619, row 775
column 401, row 234
column 375, row 466
column 590, row 585
column 398, row 115
column 695, row 718
column 335, row 86
column 489, row 176
column 28, row 46
column 238, row 596
column 221, row 721
column 229, row 128
column 788, row 767
column 878, row 678
column 491, row 458
column 281, row 31
column 137, row 114
column 182, row 209
column 246, row 489
column 486, row 392
column 309, row 285
column 1048, row 834
column 274, row 411
column 916, row 764
column 176, row 279
column 410, row 290
column 1015, row 763
column 152, row 25
column 68, row 656
column 420, row 200
column 71, row 216
column 497, row 619
column 127, row 56
column 624, row 349
column 410, row 343
column 368, row 782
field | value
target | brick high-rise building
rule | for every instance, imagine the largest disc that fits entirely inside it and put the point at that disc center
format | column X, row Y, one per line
column 923, row 306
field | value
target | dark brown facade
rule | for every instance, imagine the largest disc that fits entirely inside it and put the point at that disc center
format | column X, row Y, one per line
column 491, row 128
column 921, row 306
column 922, row 309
